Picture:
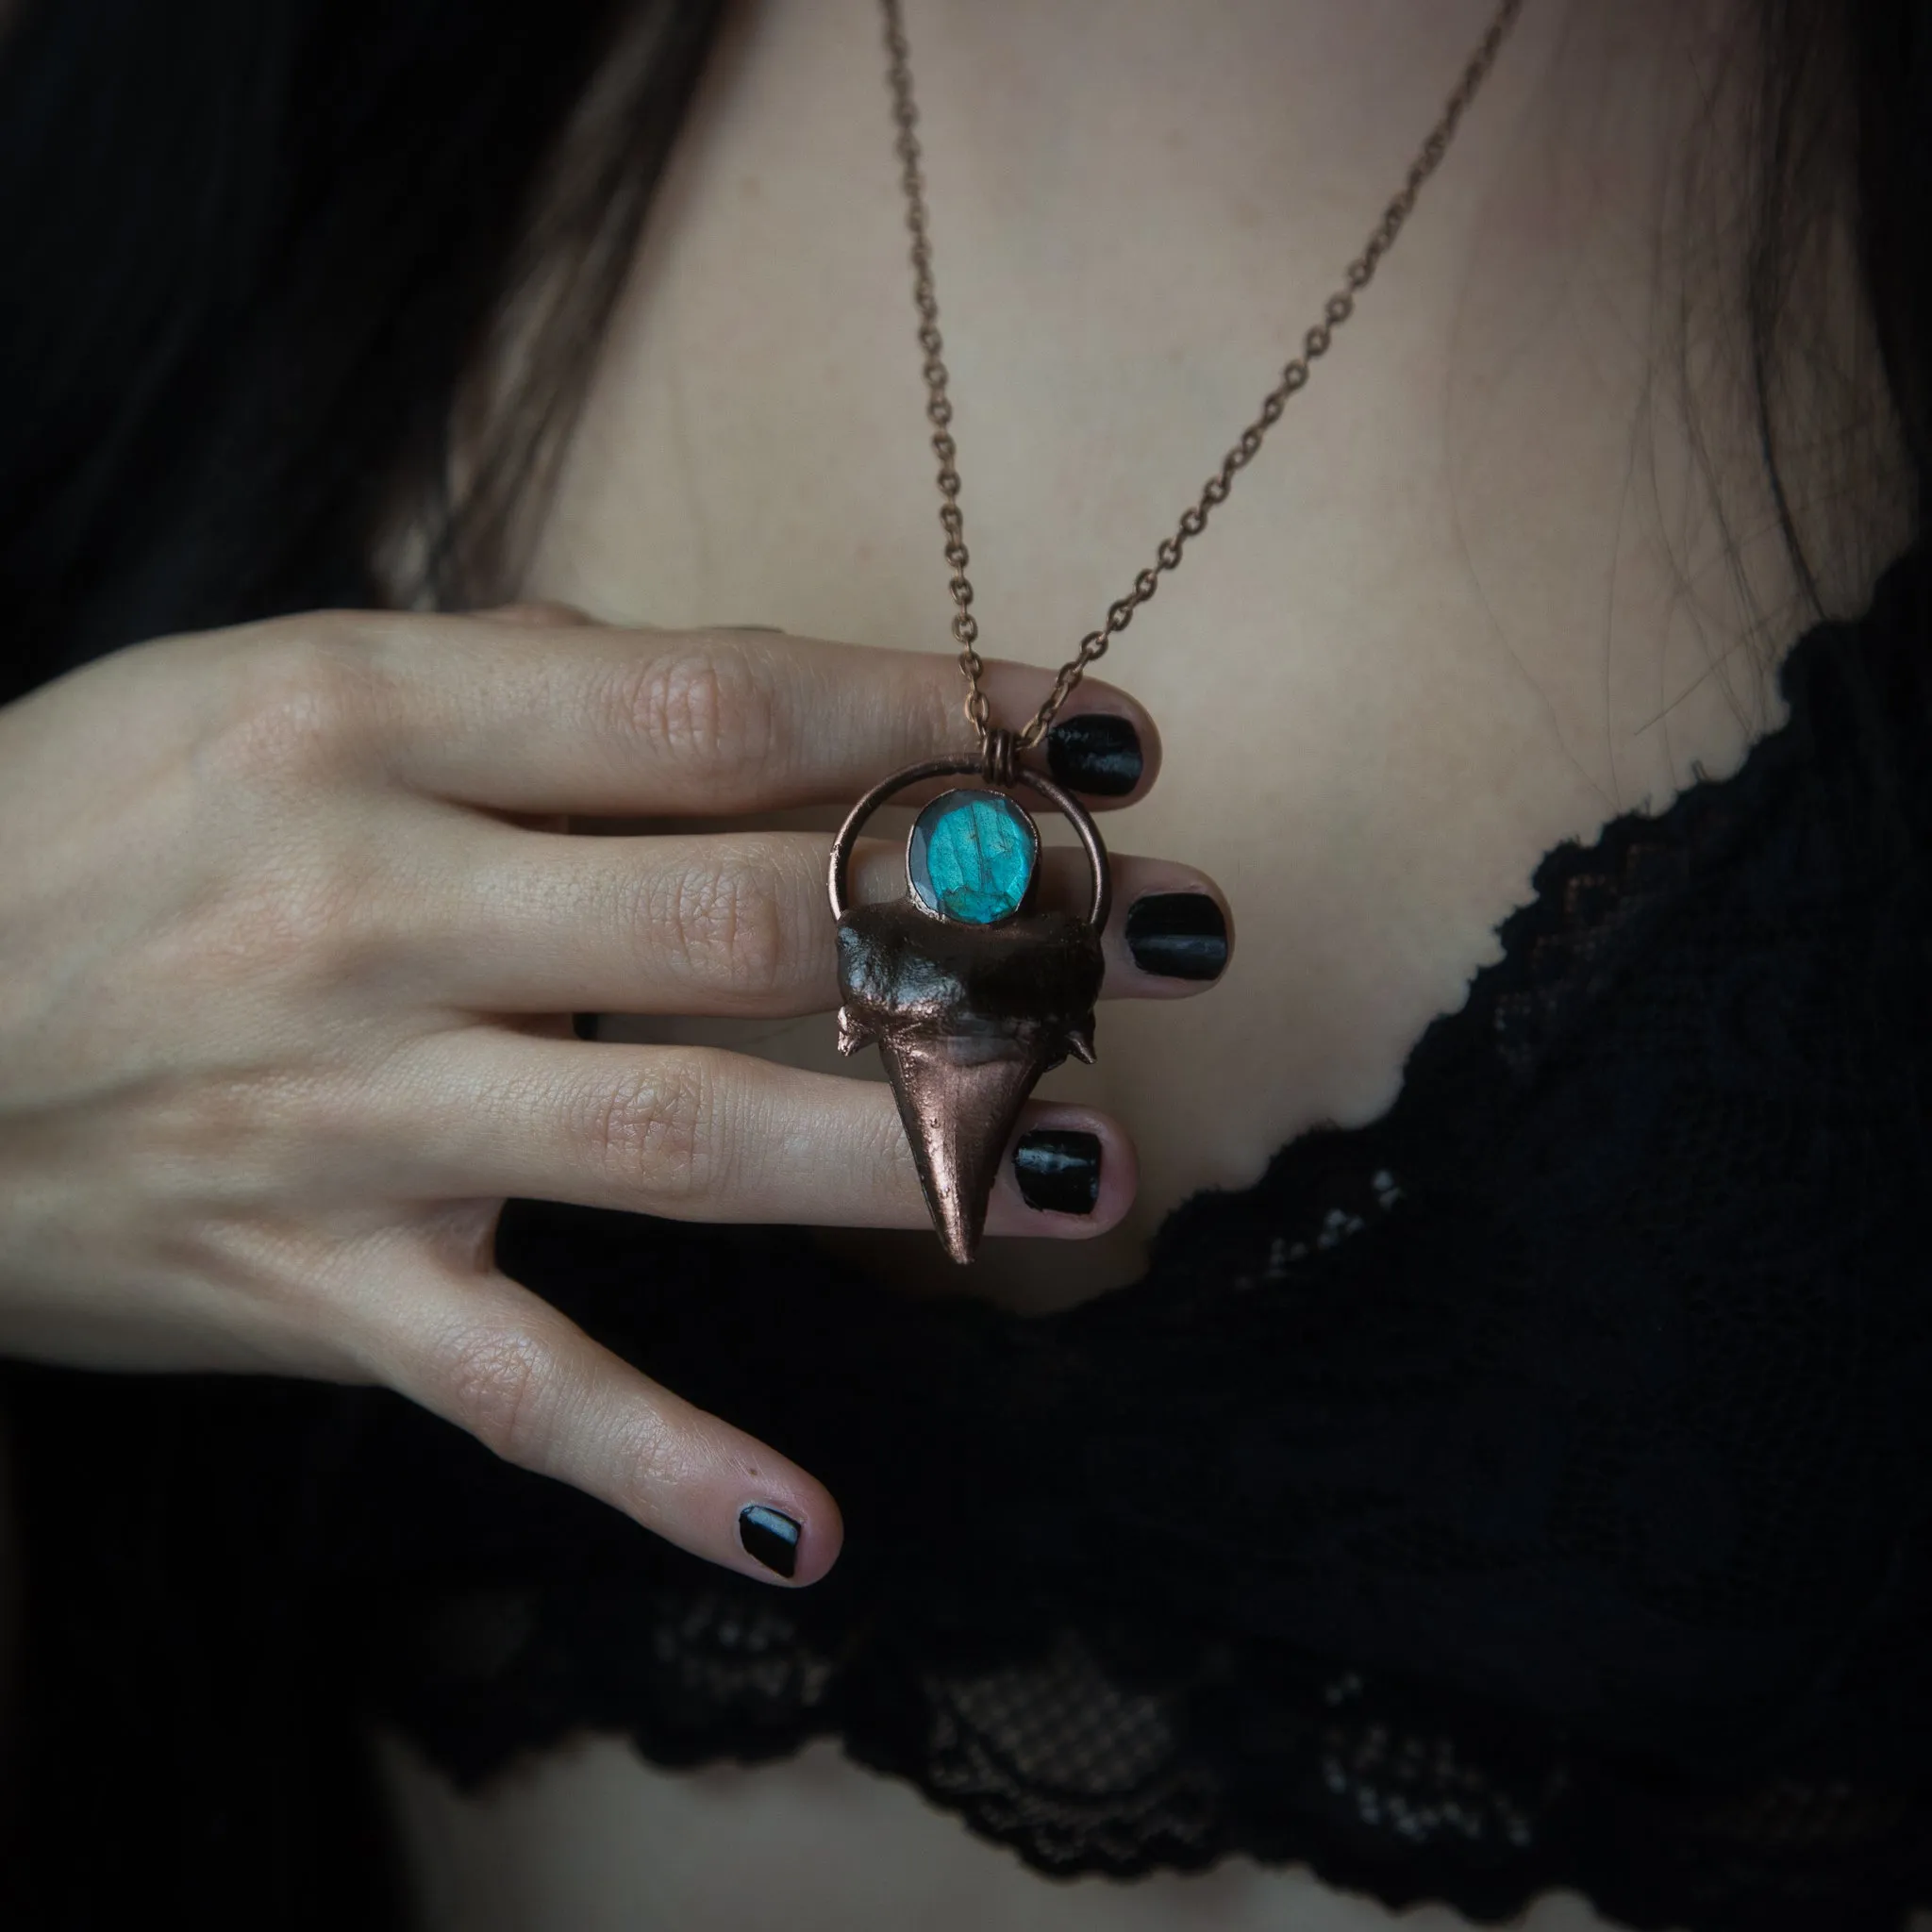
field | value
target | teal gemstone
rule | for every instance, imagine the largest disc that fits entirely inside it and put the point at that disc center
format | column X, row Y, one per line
column 971, row 857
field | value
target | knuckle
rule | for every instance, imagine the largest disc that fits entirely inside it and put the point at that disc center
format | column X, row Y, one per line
column 707, row 709
column 727, row 928
column 300, row 703
column 282, row 879
column 232, row 1149
column 232, row 1129
column 656, row 1129
column 503, row 1386
column 310, row 920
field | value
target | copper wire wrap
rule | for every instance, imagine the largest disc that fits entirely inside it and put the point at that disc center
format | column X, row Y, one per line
column 998, row 748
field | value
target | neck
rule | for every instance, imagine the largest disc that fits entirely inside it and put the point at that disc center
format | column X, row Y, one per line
column 1186, row 147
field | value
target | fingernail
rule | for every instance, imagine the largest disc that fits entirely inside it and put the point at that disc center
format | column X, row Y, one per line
column 771, row 1536
column 1177, row 935
column 1058, row 1169
column 1095, row 753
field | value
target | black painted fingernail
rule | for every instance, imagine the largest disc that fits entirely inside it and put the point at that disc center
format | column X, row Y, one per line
column 1096, row 754
column 1058, row 1169
column 771, row 1536
column 1177, row 935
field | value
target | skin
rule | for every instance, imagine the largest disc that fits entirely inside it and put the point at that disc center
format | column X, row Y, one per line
column 1478, row 594
column 289, row 943
column 293, row 933
column 1495, row 579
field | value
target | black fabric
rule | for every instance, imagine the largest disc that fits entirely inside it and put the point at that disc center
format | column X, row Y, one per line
column 1533, row 1487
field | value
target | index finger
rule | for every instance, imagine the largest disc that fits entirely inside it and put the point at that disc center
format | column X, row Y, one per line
column 613, row 723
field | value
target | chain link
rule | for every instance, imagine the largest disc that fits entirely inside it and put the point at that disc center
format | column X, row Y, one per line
column 1339, row 308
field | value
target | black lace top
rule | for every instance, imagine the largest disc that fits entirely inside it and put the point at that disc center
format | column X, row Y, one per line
column 1533, row 1487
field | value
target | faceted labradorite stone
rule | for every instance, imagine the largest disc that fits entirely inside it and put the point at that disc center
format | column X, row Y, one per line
column 971, row 857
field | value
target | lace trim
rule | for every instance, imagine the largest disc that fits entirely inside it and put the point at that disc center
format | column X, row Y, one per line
column 1527, row 1489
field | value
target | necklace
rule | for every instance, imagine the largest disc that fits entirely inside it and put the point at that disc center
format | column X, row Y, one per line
column 970, row 992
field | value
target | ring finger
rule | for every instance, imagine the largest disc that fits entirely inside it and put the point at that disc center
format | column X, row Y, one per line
column 697, row 1134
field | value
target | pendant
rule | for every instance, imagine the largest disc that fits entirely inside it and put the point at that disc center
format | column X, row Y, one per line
column 970, row 995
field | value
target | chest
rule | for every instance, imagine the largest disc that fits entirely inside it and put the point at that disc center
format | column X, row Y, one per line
column 1424, row 639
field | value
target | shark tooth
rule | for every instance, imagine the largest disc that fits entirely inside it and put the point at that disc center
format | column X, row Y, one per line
column 959, row 1110
column 853, row 1033
column 967, row 1020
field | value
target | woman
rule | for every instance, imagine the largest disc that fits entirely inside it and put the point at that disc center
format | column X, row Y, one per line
column 1517, row 1483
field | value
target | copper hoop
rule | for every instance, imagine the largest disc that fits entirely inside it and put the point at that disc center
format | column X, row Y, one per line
column 973, row 764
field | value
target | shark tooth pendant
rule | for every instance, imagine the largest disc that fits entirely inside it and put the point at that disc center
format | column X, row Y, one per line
column 970, row 995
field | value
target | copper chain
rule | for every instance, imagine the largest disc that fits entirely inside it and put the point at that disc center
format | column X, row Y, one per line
column 1194, row 520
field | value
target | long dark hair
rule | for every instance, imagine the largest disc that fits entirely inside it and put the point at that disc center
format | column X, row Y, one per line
column 252, row 247
column 248, row 250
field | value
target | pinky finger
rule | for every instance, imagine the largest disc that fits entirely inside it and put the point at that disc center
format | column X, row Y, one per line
column 501, row 1363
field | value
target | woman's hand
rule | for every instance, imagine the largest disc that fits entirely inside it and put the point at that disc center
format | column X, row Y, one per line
column 288, row 942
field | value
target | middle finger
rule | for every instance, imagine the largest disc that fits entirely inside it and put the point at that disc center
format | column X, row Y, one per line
column 728, row 923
